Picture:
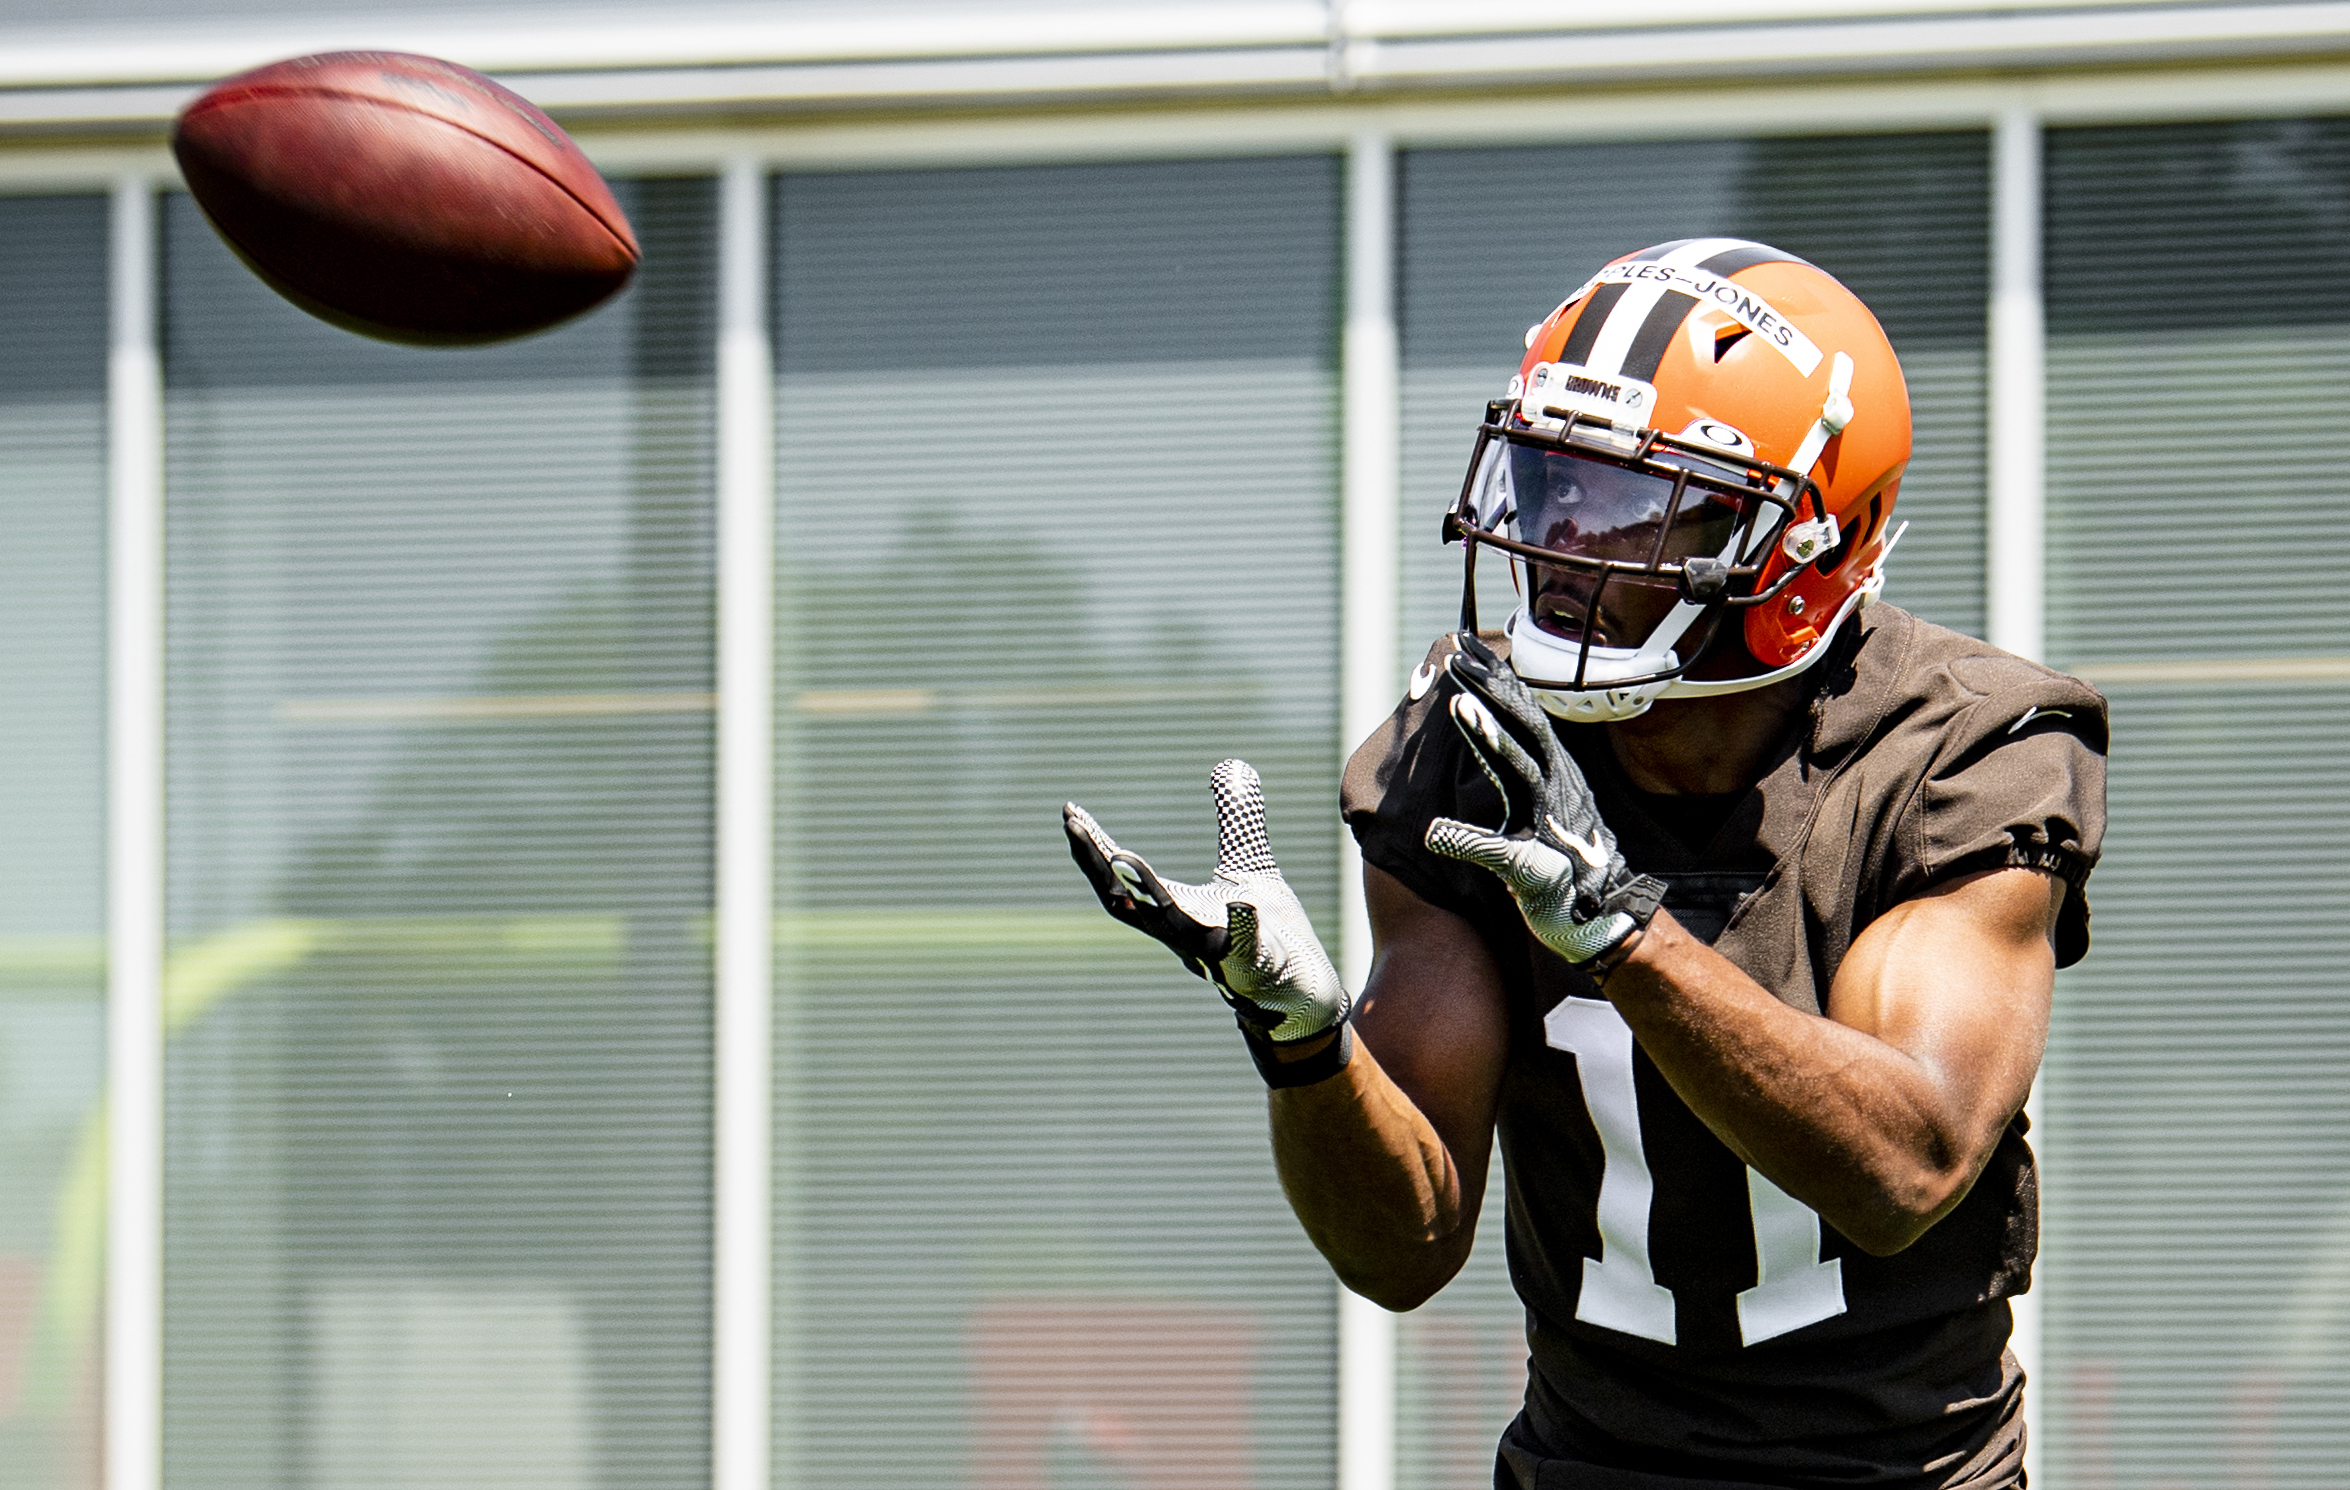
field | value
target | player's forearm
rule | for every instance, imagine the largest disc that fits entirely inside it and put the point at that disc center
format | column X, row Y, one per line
column 1848, row 1124
column 1372, row 1183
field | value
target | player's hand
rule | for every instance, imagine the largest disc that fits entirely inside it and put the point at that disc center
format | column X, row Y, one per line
column 1243, row 930
column 1557, row 856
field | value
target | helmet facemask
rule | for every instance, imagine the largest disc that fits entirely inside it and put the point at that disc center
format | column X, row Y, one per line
column 1628, row 550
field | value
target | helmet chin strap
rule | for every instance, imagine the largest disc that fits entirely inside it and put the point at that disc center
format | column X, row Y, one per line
column 1604, row 706
column 1716, row 687
column 1863, row 595
column 1613, row 705
column 1657, row 652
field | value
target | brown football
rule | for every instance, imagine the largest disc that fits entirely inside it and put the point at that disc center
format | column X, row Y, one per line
column 404, row 197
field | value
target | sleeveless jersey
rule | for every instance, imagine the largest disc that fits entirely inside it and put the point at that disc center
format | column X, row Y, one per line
column 1685, row 1317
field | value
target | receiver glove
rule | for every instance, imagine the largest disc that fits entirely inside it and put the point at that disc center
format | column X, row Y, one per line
column 1557, row 856
column 1243, row 930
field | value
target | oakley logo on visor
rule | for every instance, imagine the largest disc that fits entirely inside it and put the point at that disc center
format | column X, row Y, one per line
column 1562, row 388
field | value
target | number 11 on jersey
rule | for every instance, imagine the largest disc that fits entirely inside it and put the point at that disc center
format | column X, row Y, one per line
column 1793, row 1286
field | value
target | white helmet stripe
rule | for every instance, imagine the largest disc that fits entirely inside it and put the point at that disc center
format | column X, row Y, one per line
column 1631, row 309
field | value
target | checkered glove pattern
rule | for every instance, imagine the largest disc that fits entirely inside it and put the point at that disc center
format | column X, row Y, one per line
column 1243, row 930
column 1554, row 852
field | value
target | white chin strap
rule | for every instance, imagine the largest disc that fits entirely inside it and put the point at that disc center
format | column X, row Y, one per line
column 1536, row 652
column 1602, row 707
column 1608, row 705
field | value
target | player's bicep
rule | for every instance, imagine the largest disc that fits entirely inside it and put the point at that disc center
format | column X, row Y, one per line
column 1960, row 980
column 1434, row 1016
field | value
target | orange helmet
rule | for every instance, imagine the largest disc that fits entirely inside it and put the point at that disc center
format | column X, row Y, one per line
column 1706, row 429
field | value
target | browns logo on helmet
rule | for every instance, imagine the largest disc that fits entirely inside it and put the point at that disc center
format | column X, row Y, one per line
column 1693, row 476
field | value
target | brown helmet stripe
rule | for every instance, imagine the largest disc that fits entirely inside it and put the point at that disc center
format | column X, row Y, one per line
column 1602, row 304
column 1730, row 261
column 1596, row 309
column 1647, row 351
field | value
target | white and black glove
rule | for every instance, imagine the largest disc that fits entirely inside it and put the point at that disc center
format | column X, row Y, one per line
column 1557, row 856
column 1243, row 930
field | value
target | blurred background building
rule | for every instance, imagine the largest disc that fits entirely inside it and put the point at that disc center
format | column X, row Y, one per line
column 403, row 1083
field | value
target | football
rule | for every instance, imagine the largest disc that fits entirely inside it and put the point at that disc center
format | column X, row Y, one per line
column 403, row 197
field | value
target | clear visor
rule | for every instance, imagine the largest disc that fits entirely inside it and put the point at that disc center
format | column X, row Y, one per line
column 1591, row 509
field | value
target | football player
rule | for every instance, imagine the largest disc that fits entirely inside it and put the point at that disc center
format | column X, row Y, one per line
column 1731, row 901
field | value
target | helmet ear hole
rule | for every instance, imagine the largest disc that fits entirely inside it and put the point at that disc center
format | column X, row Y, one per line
column 1856, row 538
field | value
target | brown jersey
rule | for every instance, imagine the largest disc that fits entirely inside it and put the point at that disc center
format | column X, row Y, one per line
column 1685, row 1317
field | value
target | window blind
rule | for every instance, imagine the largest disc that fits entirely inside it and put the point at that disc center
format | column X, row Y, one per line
column 1491, row 239
column 2198, row 1166
column 52, row 805
column 438, row 995
column 1057, row 491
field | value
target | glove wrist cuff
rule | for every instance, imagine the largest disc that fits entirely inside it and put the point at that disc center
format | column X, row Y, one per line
column 1318, row 1067
column 1616, row 924
column 1638, row 898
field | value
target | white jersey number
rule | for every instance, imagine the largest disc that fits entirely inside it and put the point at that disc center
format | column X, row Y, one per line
column 1620, row 1292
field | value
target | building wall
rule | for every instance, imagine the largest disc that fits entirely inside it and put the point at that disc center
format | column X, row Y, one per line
column 1078, row 433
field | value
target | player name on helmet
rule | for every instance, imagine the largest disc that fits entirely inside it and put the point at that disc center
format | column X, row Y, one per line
column 1718, row 293
column 1562, row 388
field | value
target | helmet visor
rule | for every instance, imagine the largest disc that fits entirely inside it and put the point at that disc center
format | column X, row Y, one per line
column 1590, row 509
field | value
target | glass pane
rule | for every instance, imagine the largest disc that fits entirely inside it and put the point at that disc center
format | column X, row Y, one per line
column 2197, row 1124
column 438, row 999
column 52, row 855
column 1058, row 494
column 1491, row 240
